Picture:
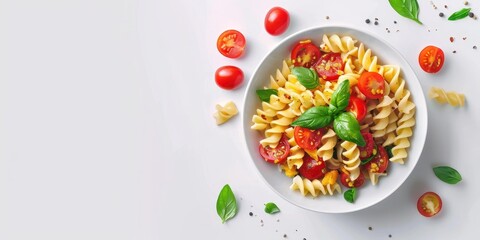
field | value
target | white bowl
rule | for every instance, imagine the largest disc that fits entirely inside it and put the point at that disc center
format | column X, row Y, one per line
column 368, row 195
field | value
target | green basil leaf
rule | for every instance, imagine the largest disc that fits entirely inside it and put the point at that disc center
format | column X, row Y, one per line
column 314, row 118
column 389, row 151
column 462, row 13
column 340, row 96
column 365, row 161
column 264, row 94
column 350, row 195
column 306, row 76
column 447, row 174
column 271, row 208
column 347, row 128
column 226, row 204
column 406, row 8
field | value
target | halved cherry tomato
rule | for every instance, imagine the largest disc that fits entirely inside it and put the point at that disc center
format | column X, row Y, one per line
column 305, row 54
column 372, row 85
column 431, row 59
column 306, row 138
column 229, row 77
column 380, row 162
column 330, row 66
column 277, row 21
column 278, row 154
column 347, row 182
column 311, row 168
column 358, row 107
column 367, row 150
column 231, row 43
column 429, row 204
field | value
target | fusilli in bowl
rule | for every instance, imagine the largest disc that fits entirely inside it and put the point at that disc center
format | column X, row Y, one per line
column 370, row 194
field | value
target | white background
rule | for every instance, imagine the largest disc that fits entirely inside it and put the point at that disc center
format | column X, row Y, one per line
column 106, row 127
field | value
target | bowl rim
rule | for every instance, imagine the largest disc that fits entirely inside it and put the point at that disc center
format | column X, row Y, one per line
column 419, row 99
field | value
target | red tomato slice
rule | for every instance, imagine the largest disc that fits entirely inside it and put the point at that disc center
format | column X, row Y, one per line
column 358, row 107
column 229, row 77
column 305, row 54
column 311, row 168
column 330, row 66
column 278, row 154
column 277, row 21
column 372, row 85
column 380, row 162
column 431, row 59
column 347, row 182
column 429, row 204
column 231, row 43
column 367, row 150
column 307, row 139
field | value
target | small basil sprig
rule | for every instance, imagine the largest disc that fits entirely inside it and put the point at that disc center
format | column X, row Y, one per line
column 406, row 8
column 462, row 13
column 447, row 174
column 306, row 76
column 389, row 151
column 345, row 124
column 350, row 195
column 226, row 204
column 314, row 118
column 347, row 128
column 264, row 94
column 271, row 208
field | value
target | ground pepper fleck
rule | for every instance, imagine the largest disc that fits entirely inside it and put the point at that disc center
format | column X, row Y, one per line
column 395, row 22
column 454, row 51
column 327, row 17
column 464, row 38
column 446, row 6
column 370, row 228
column 471, row 14
column 474, row 47
column 250, row 213
column 389, row 235
column 441, row 14
column 284, row 235
column 376, row 23
column 367, row 21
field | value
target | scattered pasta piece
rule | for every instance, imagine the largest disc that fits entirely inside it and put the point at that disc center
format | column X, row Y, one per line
column 441, row 96
column 226, row 112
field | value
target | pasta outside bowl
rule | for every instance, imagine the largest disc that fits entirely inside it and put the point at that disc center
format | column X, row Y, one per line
column 368, row 194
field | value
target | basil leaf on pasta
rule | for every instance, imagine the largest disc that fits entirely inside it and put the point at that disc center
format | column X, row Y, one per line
column 271, row 208
column 226, row 204
column 306, row 76
column 462, row 13
column 314, row 118
column 447, row 174
column 350, row 195
column 406, row 8
column 264, row 94
column 347, row 128
column 340, row 96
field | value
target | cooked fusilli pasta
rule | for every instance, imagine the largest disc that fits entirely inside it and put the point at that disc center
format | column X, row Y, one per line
column 224, row 113
column 441, row 96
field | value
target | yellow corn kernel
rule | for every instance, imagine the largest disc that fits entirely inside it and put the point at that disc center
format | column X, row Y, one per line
column 330, row 178
column 289, row 172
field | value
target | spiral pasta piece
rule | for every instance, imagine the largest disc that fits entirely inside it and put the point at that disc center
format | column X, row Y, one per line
column 397, row 86
column 329, row 140
column 390, row 131
column 314, row 188
column 374, row 177
column 381, row 119
column 368, row 62
column 344, row 45
column 352, row 162
column 280, row 76
column 402, row 142
column 224, row 113
column 295, row 159
column 441, row 96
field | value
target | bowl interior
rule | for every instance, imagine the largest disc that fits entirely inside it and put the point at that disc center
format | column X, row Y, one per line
column 368, row 195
